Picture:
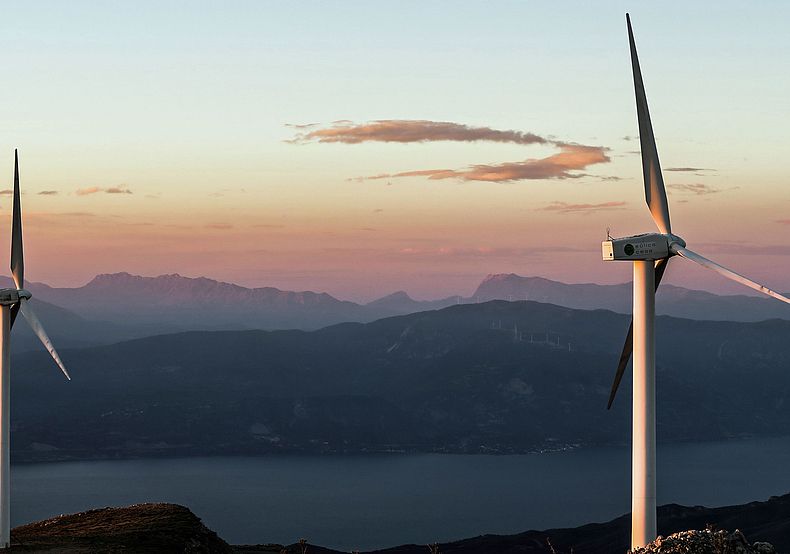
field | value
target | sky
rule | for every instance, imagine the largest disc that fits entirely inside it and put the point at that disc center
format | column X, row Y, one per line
column 360, row 148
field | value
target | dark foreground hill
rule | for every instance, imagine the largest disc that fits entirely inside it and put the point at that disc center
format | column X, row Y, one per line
column 759, row 521
column 150, row 528
column 492, row 377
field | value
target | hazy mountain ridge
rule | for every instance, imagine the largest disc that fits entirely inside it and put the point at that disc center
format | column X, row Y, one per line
column 145, row 306
column 468, row 378
column 198, row 303
column 670, row 300
column 70, row 330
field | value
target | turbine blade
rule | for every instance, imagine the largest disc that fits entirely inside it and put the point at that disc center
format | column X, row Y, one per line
column 14, row 313
column 38, row 329
column 628, row 347
column 721, row 270
column 655, row 193
column 17, row 256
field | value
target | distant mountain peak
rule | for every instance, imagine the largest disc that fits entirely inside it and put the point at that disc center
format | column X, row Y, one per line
column 125, row 278
column 175, row 276
column 507, row 277
column 109, row 278
column 399, row 299
column 500, row 277
column 398, row 295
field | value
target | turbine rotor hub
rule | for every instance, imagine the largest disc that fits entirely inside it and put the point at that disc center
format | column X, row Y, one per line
column 674, row 239
column 13, row 296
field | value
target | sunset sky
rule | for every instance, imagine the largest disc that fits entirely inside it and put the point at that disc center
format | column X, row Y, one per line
column 360, row 148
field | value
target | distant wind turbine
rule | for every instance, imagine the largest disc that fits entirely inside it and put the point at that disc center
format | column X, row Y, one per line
column 13, row 301
column 650, row 253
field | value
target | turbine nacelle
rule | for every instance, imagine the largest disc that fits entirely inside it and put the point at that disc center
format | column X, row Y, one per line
column 13, row 296
column 647, row 246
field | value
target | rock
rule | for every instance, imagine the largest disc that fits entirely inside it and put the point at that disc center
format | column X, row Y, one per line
column 705, row 542
column 145, row 528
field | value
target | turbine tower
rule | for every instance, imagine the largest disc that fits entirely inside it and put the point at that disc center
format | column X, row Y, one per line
column 13, row 301
column 650, row 253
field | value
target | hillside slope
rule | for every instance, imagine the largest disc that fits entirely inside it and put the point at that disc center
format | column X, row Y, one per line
column 493, row 377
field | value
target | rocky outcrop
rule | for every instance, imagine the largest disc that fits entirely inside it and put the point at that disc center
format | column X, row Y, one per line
column 145, row 528
column 705, row 542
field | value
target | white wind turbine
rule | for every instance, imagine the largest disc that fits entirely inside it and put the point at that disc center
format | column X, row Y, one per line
column 13, row 301
column 650, row 253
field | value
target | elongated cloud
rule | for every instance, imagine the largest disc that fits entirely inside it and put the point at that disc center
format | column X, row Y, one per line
column 566, row 208
column 88, row 190
column 301, row 126
column 120, row 189
column 430, row 173
column 687, row 169
column 697, row 188
column 6, row 192
column 410, row 130
column 567, row 163
column 783, row 221
column 571, row 158
column 48, row 192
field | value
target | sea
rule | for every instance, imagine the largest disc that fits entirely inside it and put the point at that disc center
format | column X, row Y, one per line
column 364, row 502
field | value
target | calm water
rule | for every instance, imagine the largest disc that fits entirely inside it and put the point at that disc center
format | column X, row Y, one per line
column 381, row 500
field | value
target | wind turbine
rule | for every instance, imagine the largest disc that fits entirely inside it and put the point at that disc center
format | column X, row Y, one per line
column 13, row 301
column 650, row 253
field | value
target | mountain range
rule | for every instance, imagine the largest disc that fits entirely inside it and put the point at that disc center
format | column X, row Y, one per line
column 120, row 306
column 670, row 300
column 490, row 377
column 172, row 301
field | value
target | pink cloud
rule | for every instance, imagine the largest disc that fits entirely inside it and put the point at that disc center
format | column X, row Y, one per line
column 571, row 158
column 564, row 165
column 566, row 208
column 405, row 131
column 118, row 190
column 696, row 188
